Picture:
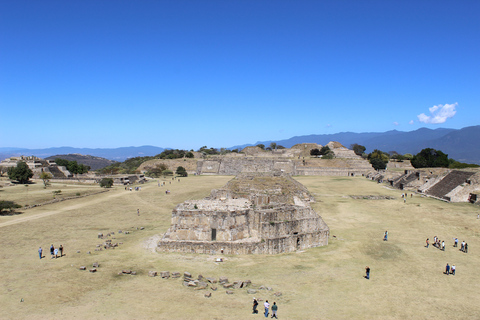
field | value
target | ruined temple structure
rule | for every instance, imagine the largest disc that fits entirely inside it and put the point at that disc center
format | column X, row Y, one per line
column 263, row 213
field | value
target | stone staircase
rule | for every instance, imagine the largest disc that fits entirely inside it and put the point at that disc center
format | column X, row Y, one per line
column 56, row 173
column 404, row 180
column 452, row 180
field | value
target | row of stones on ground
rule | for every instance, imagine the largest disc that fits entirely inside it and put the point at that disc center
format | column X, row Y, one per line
column 107, row 245
column 202, row 283
column 62, row 199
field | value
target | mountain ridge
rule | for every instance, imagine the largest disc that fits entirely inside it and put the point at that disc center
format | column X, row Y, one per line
column 460, row 144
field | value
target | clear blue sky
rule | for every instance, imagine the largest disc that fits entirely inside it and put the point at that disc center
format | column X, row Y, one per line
column 184, row 74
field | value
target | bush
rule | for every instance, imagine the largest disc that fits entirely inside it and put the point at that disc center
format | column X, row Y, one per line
column 181, row 171
column 167, row 173
column 106, row 183
column 8, row 205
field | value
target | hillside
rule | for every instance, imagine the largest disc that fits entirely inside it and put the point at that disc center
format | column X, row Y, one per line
column 93, row 162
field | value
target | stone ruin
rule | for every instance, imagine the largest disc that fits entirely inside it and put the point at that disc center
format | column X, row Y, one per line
column 262, row 213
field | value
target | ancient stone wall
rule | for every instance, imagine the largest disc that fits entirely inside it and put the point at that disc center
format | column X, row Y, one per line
column 254, row 213
column 321, row 167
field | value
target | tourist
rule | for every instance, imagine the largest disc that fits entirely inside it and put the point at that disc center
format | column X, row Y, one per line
column 56, row 253
column 427, row 243
column 255, row 305
column 367, row 272
column 385, row 236
column 52, row 248
column 266, row 305
column 447, row 270
column 462, row 248
column 443, row 245
column 405, row 200
column 274, row 310
column 40, row 250
column 456, row 243
column 465, row 249
column 138, row 212
column 61, row 250
column 452, row 269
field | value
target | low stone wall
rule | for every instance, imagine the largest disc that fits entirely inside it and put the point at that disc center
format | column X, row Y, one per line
column 264, row 246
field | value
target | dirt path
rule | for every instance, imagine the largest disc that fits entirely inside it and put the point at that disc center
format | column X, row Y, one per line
column 64, row 209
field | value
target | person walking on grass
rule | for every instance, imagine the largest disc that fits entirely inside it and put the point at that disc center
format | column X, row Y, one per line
column 56, row 253
column 455, row 245
column 452, row 269
column 367, row 272
column 40, row 250
column 138, row 212
column 465, row 249
column 385, row 236
column 52, row 249
column 255, row 305
column 274, row 310
column 428, row 243
column 266, row 305
column 443, row 245
column 447, row 270
column 61, row 250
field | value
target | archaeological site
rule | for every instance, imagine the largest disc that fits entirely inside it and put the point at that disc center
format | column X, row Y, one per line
column 255, row 212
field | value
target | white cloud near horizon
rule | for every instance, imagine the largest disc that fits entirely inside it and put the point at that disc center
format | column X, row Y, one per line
column 396, row 123
column 411, row 122
column 439, row 113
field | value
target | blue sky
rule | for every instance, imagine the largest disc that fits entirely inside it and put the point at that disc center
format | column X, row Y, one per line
column 184, row 74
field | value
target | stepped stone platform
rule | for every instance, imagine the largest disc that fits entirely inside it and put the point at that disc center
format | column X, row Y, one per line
column 448, row 183
column 255, row 213
column 323, row 167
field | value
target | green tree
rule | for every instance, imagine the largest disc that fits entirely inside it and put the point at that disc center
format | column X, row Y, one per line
column 45, row 176
column 358, row 149
column 261, row 146
column 430, row 158
column 189, row 155
column 181, row 171
column 157, row 170
column 22, row 173
column 378, row 164
column 378, row 159
column 167, row 173
column 106, row 183
column 273, row 146
column 315, row 152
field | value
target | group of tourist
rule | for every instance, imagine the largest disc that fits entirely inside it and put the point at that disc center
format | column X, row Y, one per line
column 53, row 252
column 440, row 244
column 266, row 305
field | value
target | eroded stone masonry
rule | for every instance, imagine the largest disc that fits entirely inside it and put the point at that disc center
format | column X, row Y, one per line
column 264, row 213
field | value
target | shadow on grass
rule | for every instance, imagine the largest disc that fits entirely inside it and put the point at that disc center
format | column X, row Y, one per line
column 10, row 213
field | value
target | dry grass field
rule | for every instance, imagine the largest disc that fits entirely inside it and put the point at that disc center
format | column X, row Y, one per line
column 407, row 280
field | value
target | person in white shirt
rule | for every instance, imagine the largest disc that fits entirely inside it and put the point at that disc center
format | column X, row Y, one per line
column 266, row 305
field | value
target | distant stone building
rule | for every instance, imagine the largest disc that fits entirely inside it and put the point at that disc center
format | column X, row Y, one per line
column 259, row 213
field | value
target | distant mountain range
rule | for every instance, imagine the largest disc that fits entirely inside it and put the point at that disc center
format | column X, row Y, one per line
column 116, row 154
column 460, row 144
